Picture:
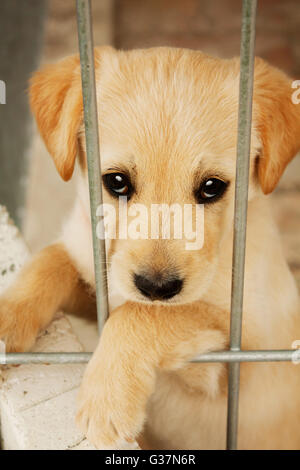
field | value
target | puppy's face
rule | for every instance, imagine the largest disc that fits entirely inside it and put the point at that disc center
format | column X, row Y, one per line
column 168, row 133
column 168, row 137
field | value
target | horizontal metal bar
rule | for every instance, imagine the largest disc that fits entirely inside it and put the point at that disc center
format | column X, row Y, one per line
column 45, row 358
column 276, row 355
column 85, row 37
column 249, row 356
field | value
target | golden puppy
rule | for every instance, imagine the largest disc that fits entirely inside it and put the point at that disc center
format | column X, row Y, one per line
column 168, row 132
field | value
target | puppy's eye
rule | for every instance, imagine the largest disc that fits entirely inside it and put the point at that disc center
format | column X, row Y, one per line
column 210, row 190
column 118, row 184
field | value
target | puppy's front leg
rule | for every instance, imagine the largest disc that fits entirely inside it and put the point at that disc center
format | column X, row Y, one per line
column 136, row 341
column 43, row 287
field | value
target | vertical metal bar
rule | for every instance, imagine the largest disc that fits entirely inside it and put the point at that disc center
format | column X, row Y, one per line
column 240, row 216
column 85, row 36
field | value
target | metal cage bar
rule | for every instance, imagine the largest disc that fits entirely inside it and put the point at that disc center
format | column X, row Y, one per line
column 235, row 355
column 280, row 355
column 240, row 212
column 86, row 48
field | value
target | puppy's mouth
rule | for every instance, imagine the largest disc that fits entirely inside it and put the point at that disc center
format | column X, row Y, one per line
column 155, row 287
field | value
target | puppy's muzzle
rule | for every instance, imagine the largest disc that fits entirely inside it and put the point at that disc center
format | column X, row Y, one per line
column 154, row 288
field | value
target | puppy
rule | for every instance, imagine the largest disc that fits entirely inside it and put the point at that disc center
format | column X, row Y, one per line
column 168, row 133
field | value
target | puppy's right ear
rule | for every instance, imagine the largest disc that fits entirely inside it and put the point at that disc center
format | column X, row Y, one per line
column 56, row 101
column 277, row 121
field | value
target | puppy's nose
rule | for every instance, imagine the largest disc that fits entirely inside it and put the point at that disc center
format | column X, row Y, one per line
column 157, row 289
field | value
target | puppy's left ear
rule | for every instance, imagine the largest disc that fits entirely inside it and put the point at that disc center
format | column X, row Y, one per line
column 277, row 120
column 56, row 101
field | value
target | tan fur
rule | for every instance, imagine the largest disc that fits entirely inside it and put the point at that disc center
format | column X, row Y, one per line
column 169, row 118
column 163, row 338
column 277, row 121
column 55, row 98
column 46, row 285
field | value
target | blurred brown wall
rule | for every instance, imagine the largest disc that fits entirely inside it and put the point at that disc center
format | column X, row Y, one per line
column 212, row 26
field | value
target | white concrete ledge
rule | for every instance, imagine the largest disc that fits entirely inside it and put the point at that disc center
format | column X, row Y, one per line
column 13, row 251
column 38, row 401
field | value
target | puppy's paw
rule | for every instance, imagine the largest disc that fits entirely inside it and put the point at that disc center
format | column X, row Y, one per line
column 112, row 402
column 111, row 414
column 17, row 333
